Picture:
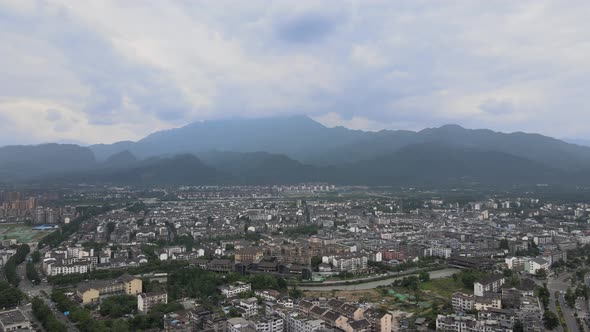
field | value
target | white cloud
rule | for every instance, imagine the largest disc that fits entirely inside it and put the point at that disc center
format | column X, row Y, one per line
column 47, row 121
column 367, row 56
column 333, row 119
column 123, row 69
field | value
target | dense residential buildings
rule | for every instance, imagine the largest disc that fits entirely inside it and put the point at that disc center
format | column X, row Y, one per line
column 258, row 247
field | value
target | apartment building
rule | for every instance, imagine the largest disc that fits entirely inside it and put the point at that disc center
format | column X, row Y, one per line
column 94, row 291
column 146, row 301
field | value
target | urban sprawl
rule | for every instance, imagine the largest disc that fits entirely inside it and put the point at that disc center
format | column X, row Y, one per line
column 298, row 258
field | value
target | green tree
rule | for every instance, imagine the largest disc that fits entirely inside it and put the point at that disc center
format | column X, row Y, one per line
column 550, row 320
column 32, row 273
column 541, row 274
column 410, row 283
column 315, row 262
column 10, row 267
column 118, row 306
column 424, row 276
column 36, row 256
column 543, row 295
column 9, row 296
column 468, row 279
column 120, row 325
column 233, row 312
column 570, row 298
column 42, row 312
column 296, row 293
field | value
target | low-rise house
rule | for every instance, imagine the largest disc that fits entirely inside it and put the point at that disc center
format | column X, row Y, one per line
column 235, row 289
column 362, row 325
column 468, row 323
column 239, row 324
column 268, row 294
column 381, row 321
column 248, row 307
column 14, row 320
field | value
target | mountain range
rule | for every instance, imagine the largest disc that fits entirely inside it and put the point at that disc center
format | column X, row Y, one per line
column 299, row 149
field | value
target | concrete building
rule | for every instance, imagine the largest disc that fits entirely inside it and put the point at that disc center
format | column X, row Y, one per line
column 248, row 255
column 80, row 267
column 490, row 284
column 455, row 323
column 235, row 290
column 268, row 324
column 248, row 307
column 462, row 302
column 438, row 251
column 532, row 266
column 239, row 324
column 146, row 301
column 94, row 291
column 350, row 263
column 381, row 321
column 14, row 320
column 295, row 322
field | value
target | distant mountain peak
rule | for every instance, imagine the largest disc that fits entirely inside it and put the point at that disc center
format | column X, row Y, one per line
column 121, row 159
column 451, row 126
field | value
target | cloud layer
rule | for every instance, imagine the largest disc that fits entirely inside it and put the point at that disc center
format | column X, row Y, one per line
column 104, row 71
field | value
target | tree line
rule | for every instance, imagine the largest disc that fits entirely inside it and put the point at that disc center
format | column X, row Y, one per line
column 43, row 313
column 15, row 260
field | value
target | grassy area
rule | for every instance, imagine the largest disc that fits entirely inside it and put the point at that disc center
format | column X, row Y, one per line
column 370, row 295
column 21, row 232
column 444, row 287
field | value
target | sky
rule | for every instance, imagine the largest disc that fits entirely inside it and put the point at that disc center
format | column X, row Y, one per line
column 101, row 71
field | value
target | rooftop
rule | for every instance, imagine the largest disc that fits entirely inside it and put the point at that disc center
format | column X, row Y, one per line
column 11, row 317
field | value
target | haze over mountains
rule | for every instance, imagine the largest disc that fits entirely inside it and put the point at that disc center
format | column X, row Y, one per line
column 298, row 149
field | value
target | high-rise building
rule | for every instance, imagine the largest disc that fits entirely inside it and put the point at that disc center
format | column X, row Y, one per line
column 14, row 196
column 39, row 216
column 31, row 203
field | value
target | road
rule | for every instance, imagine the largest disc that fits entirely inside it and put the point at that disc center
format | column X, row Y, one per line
column 374, row 284
column 59, row 315
column 26, row 286
column 561, row 284
column 32, row 290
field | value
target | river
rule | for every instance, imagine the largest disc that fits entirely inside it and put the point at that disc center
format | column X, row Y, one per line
column 374, row 284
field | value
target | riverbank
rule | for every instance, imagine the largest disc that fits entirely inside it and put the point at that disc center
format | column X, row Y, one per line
column 374, row 283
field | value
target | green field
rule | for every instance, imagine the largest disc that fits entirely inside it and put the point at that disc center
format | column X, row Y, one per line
column 444, row 287
column 21, row 232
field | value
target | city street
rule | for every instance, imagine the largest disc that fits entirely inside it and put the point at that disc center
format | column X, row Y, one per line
column 26, row 286
column 32, row 290
column 561, row 284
